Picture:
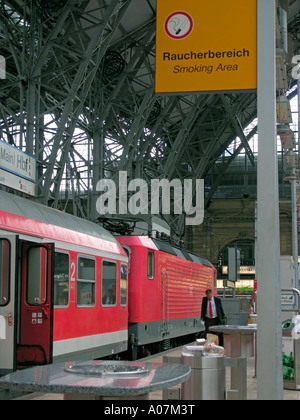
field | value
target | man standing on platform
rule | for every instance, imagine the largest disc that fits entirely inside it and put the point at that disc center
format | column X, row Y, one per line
column 212, row 313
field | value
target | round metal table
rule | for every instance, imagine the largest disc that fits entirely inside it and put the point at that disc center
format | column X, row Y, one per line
column 98, row 379
column 239, row 343
column 238, row 339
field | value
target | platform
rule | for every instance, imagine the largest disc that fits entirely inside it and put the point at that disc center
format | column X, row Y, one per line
column 158, row 394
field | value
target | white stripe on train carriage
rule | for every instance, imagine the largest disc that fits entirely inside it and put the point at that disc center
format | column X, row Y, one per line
column 73, row 345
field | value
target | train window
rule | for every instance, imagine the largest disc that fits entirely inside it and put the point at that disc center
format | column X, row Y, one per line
column 4, row 271
column 86, row 280
column 61, row 279
column 150, row 264
column 109, row 283
column 123, row 285
column 36, row 284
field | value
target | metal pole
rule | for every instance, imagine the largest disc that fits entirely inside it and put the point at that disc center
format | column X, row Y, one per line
column 297, row 280
column 269, row 333
column 294, row 224
column 284, row 38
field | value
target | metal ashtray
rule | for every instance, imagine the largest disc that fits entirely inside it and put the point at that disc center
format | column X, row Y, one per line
column 107, row 370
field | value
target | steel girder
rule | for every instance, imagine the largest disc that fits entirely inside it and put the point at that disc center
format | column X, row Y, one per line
column 79, row 95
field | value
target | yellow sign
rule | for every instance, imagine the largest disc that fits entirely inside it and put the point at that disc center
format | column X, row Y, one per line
column 207, row 46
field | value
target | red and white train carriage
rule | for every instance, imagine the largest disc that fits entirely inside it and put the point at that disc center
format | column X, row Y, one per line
column 55, row 270
column 70, row 290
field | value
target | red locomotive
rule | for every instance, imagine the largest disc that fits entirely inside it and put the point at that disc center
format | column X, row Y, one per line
column 71, row 290
column 165, row 289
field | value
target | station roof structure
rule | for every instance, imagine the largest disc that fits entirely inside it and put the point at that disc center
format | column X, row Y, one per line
column 79, row 95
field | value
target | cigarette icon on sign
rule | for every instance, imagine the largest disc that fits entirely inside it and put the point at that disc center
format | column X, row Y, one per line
column 179, row 25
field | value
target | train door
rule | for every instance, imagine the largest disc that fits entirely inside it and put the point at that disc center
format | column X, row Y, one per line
column 7, row 303
column 36, row 307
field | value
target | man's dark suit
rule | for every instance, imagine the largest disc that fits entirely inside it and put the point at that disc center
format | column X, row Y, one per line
column 214, row 321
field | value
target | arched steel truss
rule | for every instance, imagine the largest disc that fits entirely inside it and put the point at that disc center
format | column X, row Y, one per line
column 79, row 95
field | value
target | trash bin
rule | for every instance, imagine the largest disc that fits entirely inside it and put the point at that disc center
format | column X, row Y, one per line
column 291, row 353
column 207, row 380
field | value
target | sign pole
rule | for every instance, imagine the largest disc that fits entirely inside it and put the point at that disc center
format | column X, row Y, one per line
column 269, row 331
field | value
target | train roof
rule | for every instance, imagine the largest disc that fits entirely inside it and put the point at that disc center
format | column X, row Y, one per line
column 154, row 243
column 14, row 204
